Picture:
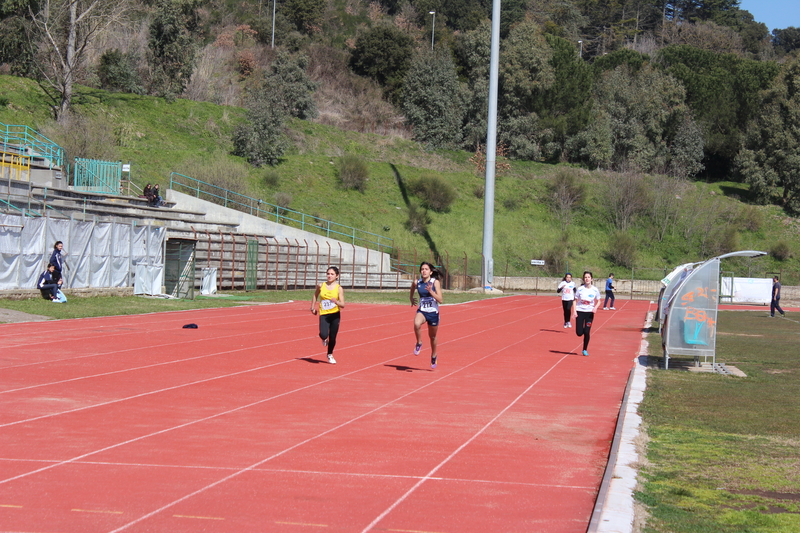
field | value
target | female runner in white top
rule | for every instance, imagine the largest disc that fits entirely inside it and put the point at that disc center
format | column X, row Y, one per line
column 587, row 300
column 567, row 290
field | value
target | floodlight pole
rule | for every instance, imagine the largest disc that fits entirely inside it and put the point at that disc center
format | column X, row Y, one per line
column 487, row 276
column 273, row 23
column 433, row 26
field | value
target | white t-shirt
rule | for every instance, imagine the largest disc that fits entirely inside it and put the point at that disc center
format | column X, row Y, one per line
column 567, row 290
column 585, row 298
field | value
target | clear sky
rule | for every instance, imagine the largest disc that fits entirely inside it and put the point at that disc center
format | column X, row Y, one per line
column 776, row 14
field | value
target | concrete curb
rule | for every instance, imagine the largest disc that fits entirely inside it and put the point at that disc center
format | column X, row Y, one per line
column 614, row 510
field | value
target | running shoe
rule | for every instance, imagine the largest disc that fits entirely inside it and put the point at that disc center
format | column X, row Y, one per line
column 331, row 360
column 433, row 361
column 605, row 309
column 585, row 353
column 417, row 348
column 569, row 324
column 613, row 308
column 324, row 342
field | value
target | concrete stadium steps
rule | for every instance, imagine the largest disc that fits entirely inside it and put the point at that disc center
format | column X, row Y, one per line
column 280, row 263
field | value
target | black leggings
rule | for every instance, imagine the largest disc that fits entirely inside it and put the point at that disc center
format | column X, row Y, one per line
column 329, row 328
column 583, row 326
column 567, row 305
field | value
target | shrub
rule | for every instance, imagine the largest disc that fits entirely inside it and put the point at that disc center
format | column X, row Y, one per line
column 435, row 193
column 479, row 191
column 565, row 193
column 418, row 219
column 511, row 203
column 780, row 251
column 117, row 72
column 282, row 200
column 271, row 179
column 622, row 249
column 750, row 218
column 353, row 172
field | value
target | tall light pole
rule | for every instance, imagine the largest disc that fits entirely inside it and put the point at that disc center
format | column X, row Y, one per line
column 580, row 54
column 433, row 26
column 487, row 274
column 273, row 22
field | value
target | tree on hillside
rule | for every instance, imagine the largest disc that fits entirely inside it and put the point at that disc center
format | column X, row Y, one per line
column 432, row 99
column 525, row 72
column 63, row 30
column 172, row 46
column 473, row 51
column 770, row 158
column 286, row 92
column 384, row 54
column 305, row 15
column 288, row 86
column 722, row 91
column 15, row 25
column 642, row 123
column 787, row 39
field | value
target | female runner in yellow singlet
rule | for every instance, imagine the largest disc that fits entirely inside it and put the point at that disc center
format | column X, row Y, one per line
column 331, row 299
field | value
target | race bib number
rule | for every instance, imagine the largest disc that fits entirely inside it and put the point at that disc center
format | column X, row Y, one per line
column 428, row 305
column 586, row 302
column 327, row 305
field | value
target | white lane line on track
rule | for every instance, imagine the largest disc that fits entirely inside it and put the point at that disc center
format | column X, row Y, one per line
column 307, row 472
column 173, row 361
column 264, row 400
column 335, row 428
column 163, row 363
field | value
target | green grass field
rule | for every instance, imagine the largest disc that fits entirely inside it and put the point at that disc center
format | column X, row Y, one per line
column 724, row 452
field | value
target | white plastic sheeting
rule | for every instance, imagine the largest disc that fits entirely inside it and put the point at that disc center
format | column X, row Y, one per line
column 149, row 280
column 96, row 254
column 209, row 281
column 747, row 290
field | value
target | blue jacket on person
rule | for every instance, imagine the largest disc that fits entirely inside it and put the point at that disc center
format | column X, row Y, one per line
column 45, row 278
column 55, row 260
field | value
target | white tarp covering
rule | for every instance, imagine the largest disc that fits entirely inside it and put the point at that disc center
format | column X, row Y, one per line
column 209, row 281
column 748, row 290
column 149, row 280
column 96, row 254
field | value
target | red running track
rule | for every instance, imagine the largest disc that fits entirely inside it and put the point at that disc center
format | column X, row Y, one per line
column 135, row 424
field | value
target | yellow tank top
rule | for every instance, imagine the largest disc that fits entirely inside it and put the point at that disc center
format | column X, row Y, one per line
column 326, row 306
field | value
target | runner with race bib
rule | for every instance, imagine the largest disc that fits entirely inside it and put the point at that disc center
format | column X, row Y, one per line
column 430, row 296
column 331, row 299
column 587, row 300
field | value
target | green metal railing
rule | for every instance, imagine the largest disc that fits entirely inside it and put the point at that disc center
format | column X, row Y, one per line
column 93, row 175
column 281, row 215
column 30, row 142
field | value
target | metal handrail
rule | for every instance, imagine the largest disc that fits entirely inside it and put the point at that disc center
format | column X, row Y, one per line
column 281, row 215
column 31, row 143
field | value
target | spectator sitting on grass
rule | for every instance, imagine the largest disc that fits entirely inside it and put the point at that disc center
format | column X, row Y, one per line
column 46, row 282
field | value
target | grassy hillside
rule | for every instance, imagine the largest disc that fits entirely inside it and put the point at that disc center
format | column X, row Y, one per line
column 193, row 138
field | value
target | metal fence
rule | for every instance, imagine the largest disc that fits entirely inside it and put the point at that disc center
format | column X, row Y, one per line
column 30, row 142
column 279, row 214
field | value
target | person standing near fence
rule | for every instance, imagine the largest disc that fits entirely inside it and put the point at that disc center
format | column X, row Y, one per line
column 585, row 305
column 331, row 299
column 609, row 293
column 430, row 296
column 776, row 298
column 567, row 291
column 57, row 260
